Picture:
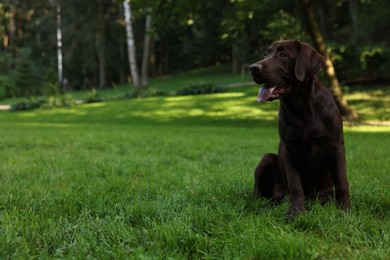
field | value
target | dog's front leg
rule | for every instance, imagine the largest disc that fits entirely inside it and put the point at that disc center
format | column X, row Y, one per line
column 294, row 183
column 295, row 191
column 339, row 175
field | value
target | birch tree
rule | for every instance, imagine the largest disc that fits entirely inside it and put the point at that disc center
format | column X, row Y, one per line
column 59, row 44
column 131, row 46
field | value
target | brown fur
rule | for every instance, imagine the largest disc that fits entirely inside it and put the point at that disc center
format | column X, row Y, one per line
column 311, row 158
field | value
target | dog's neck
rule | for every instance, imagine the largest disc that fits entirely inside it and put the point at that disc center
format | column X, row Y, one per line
column 299, row 101
column 300, row 109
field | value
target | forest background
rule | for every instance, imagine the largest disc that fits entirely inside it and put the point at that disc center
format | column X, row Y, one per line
column 181, row 36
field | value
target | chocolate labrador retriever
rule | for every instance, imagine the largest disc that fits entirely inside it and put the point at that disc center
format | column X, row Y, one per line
column 311, row 157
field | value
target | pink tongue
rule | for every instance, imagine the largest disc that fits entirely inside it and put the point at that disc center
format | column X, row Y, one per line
column 264, row 94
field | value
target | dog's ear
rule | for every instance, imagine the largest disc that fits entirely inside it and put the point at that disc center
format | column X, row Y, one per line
column 308, row 62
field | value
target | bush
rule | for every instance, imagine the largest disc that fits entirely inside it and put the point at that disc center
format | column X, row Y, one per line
column 147, row 93
column 28, row 104
column 43, row 103
column 157, row 92
column 58, row 101
column 93, row 97
column 353, row 60
column 201, row 89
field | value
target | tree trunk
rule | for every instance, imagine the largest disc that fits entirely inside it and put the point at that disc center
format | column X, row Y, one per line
column 102, row 62
column 12, row 29
column 236, row 64
column 330, row 71
column 59, row 46
column 101, row 47
column 353, row 10
column 131, row 46
column 147, row 40
column 122, row 53
column 152, row 59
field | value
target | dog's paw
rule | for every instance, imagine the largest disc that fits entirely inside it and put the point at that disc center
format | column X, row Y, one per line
column 293, row 212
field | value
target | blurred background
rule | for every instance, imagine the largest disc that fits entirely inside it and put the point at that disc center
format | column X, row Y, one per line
column 82, row 45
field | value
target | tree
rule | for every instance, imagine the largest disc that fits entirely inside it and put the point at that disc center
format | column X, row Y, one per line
column 353, row 10
column 59, row 45
column 101, row 44
column 329, row 69
column 131, row 46
column 11, row 27
column 147, row 41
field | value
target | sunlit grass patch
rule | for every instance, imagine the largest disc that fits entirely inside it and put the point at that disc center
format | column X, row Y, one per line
column 372, row 104
column 368, row 129
column 223, row 106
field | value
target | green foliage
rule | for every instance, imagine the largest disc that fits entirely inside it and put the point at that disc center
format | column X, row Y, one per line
column 25, row 77
column 284, row 26
column 43, row 103
column 6, row 81
column 369, row 60
column 4, row 86
column 2, row 92
column 28, row 104
column 375, row 59
column 171, row 177
column 93, row 96
column 58, row 101
column 205, row 88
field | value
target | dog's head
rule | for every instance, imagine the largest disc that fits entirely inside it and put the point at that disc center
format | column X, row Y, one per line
column 285, row 63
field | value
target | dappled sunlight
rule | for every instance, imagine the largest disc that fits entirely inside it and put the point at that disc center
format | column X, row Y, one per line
column 97, row 104
column 232, row 108
column 367, row 129
column 42, row 124
column 174, row 101
column 373, row 112
column 69, row 111
column 372, row 105
column 372, row 95
column 217, row 106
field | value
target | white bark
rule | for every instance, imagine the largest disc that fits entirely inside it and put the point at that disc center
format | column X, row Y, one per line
column 59, row 44
column 131, row 45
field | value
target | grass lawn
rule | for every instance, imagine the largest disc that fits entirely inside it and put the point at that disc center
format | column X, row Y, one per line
column 172, row 177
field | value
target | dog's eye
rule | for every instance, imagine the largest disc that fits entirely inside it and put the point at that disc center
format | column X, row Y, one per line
column 265, row 54
column 283, row 55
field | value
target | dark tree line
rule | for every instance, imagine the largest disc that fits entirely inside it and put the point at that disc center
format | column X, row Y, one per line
column 184, row 35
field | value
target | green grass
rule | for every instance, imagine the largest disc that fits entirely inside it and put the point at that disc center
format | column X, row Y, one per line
column 172, row 177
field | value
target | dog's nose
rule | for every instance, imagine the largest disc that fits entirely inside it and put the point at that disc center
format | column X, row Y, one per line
column 255, row 68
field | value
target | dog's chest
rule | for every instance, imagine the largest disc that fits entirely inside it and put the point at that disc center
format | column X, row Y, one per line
column 299, row 129
column 310, row 156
